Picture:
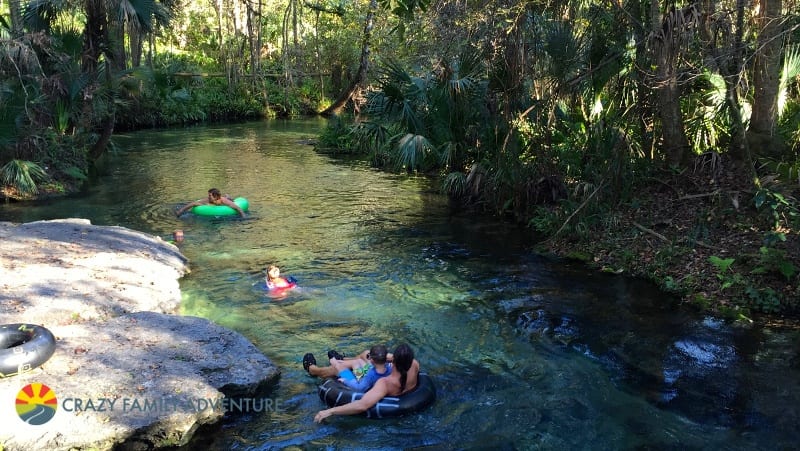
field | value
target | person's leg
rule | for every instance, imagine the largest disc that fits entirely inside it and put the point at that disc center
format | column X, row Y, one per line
column 322, row 371
column 337, row 366
column 333, row 354
column 347, row 364
column 310, row 365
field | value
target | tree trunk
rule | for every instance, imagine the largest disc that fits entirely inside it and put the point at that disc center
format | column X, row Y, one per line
column 289, row 56
column 724, row 45
column 116, row 43
column 16, row 18
column 733, row 73
column 766, row 81
column 318, row 54
column 136, row 45
column 99, row 147
column 644, row 97
column 361, row 75
column 95, row 38
column 667, row 42
column 220, row 8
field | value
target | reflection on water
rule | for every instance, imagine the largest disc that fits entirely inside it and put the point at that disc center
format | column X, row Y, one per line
column 527, row 353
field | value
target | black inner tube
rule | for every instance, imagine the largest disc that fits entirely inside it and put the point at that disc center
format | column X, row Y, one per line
column 24, row 347
column 16, row 343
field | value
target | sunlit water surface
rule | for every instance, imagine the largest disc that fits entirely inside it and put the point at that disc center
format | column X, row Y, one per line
column 527, row 353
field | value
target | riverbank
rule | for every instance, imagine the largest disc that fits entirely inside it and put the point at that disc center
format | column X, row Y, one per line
column 699, row 235
column 127, row 370
column 702, row 237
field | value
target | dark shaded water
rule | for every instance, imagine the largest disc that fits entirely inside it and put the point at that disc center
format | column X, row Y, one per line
column 527, row 353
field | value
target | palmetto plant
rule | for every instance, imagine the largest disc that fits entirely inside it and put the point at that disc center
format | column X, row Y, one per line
column 789, row 110
column 791, row 69
column 436, row 119
column 707, row 123
column 787, row 169
column 22, row 176
column 85, row 76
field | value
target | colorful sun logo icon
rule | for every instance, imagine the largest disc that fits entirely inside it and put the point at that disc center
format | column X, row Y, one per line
column 36, row 404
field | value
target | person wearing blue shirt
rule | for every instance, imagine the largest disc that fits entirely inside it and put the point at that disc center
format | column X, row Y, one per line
column 359, row 373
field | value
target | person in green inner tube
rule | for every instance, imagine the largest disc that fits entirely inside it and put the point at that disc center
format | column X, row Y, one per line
column 214, row 198
column 403, row 379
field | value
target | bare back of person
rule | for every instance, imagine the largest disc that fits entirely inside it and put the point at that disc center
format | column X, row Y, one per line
column 392, row 382
column 403, row 379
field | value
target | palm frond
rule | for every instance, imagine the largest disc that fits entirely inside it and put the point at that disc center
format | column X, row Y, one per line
column 411, row 151
column 369, row 136
column 707, row 121
column 22, row 175
column 137, row 13
column 564, row 51
column 164, row 12
column 392, row 71
column 455, row 184
column 410, row 119
column 69, row 39
column 41, row 15
column 449, row 155
column 791, row 69
column 377, row 102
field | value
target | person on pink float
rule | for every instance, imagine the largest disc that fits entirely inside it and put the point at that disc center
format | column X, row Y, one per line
column 275, row 282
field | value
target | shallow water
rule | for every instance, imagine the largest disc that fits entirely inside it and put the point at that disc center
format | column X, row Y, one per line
column 526, row 352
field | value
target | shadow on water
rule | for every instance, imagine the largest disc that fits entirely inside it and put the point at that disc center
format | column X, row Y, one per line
column 526, row 352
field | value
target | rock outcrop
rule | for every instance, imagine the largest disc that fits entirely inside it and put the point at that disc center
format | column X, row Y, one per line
column 126, row 368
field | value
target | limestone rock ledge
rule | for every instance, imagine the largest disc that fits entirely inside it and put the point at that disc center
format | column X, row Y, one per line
column 125, row 369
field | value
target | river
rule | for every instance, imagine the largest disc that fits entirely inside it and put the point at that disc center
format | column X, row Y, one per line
column 527, row 352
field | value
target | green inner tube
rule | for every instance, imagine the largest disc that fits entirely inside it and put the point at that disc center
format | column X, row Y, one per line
column 221, row 210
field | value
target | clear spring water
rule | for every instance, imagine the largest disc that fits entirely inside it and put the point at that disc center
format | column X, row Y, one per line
column 526, row 352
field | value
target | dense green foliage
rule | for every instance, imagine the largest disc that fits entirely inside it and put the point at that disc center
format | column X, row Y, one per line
column 562, row 115
column 553, row 113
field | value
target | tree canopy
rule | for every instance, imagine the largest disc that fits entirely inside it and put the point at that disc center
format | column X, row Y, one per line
column 548, row 111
